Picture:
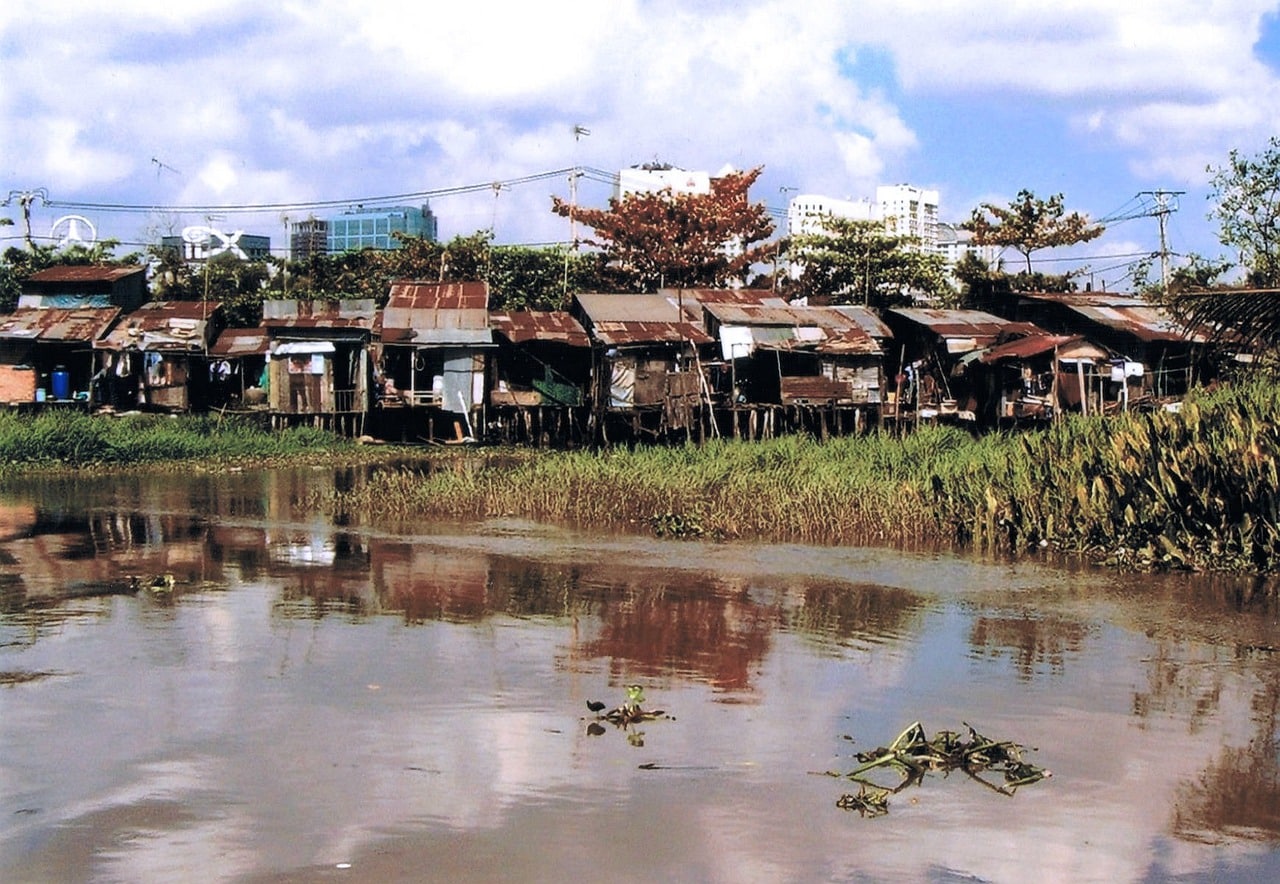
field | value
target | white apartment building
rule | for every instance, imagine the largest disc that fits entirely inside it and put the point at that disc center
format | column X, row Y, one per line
column 909, row 211
column 954, row 244
column 807, row 213
column 652, row 177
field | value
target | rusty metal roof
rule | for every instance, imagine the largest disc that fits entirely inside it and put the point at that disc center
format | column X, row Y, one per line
column 163, row 325
column 866, row 319
column 600, row 307
column 439, row 313
column 79, row 324
column 955, row 323
column 319, row 314
column 1025, row 348
column 758, row 297
column 618, row 319
column 528, row 325
column 233, row 343
column 616, row 334
column 84, row 273
column 1126, row 313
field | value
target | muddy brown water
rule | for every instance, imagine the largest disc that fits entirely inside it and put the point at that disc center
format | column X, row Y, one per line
column 312, row 701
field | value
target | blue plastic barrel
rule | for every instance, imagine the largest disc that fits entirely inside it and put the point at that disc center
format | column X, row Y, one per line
column 61, row 383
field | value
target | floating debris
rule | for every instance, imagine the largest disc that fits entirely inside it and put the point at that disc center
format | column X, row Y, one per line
column 998, row 765
column 21, row 676
column 629, row 713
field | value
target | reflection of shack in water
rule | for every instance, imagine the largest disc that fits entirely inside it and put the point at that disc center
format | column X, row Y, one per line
column 866, row 613
column 1033, row 643
column 714, row 633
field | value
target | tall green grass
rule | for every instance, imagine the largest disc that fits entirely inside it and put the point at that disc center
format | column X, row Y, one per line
column 72, row 439
column 1192, row 489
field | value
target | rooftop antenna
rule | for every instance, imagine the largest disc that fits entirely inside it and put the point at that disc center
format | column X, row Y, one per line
column 164, row 167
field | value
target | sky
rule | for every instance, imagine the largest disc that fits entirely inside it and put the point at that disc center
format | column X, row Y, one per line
column 186, row 112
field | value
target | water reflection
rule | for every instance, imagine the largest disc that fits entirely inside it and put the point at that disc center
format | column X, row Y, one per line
column 310, row 693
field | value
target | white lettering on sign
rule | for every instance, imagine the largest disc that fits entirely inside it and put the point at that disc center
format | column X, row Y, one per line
column 201, row 246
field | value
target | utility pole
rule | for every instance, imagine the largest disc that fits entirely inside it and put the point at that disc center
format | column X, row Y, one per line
column 25, row 198
column 1166, row 203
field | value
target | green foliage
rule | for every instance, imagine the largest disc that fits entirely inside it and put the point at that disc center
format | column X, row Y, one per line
column 74, row 439
column 1195, row 489
column 1029, row 224
column 860, row 262
column 1247, row 195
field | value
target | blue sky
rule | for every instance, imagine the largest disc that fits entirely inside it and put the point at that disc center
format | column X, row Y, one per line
column 245, row 104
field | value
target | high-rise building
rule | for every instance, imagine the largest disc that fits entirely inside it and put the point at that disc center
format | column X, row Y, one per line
column 307, row 238
column 361, row 228
column 910, row 211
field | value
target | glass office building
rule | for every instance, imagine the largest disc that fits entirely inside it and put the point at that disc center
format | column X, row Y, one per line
column 373, row 228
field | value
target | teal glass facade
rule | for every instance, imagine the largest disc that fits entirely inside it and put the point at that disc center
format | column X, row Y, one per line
column 373, row 228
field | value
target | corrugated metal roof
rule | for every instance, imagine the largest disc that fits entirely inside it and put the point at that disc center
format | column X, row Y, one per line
column 1127, row 313
column 866, row 319
column 350, row 314
column 759, row 297
column 1025, row 348
column 163, row 325
column 233, row 343
column 84, row 273
column 616, row 334
column 600, row 307
column 437, row 313
column 81, row 324
column 528, row 325
column 955, row 323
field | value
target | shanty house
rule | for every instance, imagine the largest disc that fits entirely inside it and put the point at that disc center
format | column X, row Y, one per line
column 1034, row 378
column 543, row 358
column 46, row 353
column 648, row 357
column 89, row 285
column 434, row 341
column 797, row 354
column 238, row 368
column 934, row 347
column 319, row 361
column 157, row 357
column 1153, row 355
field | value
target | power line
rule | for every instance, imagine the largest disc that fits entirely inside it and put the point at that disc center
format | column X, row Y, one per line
column 313, row 204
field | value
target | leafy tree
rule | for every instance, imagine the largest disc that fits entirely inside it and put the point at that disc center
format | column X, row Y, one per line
column 1198, row 274
column 1247, row 191
column 662, row 239
column 860, row 262
column 1029, row 224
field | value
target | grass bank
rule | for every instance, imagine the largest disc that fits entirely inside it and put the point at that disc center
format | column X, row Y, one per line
column 1196, row 489
column 65, row 439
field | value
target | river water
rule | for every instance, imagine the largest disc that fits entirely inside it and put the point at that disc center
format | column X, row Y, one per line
column 310, row 701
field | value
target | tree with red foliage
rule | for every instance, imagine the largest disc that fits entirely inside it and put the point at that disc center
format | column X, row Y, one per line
column 661, row 239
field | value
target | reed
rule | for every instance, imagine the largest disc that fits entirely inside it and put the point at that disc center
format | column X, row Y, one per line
column 1195, row 489
column 61, row 439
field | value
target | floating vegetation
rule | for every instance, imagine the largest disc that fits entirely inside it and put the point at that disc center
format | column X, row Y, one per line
column 624, row 716
column 998, row 765
column 11, row 677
